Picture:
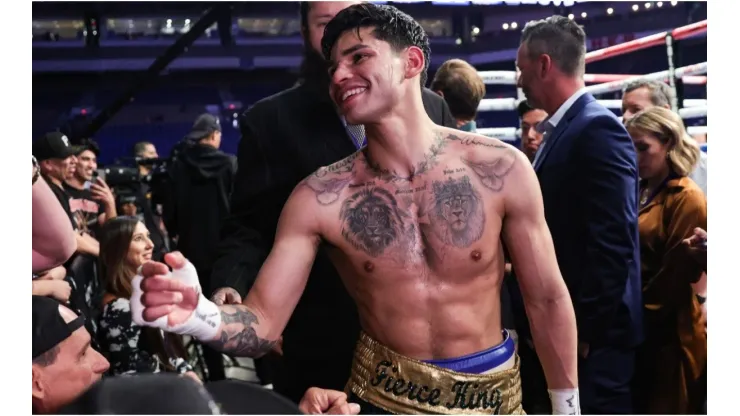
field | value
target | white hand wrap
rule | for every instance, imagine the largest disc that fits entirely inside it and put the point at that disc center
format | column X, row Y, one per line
column 203, row 324
column 565, row 402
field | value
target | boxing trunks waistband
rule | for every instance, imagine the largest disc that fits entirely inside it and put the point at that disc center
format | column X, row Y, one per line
column 464, row 385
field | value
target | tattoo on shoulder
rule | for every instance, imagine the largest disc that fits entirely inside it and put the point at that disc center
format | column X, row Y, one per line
column 238, row 336
column 472, row 141
column 492, row 172
column 372, row 221
column 457, row 212
column 328, row 182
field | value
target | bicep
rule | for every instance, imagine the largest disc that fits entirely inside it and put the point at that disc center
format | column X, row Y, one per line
column 526, row 235
column 283, row 276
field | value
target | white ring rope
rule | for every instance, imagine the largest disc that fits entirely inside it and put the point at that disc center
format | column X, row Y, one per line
column 508, row 104
column 509, row 78
column 512, row 134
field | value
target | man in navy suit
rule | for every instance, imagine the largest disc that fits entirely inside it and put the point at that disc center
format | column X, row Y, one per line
column 587, row 169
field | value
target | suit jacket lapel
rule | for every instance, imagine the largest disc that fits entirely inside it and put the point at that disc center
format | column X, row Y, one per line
column 562, row 126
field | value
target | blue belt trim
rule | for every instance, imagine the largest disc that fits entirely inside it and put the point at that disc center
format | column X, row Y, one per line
column 480, row 362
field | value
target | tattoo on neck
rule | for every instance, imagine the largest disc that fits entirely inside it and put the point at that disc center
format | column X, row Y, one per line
column 429, row 162
column 492, row 172
column 238, row 335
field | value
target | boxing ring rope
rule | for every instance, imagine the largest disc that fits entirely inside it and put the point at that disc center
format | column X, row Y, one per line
column 607, row 83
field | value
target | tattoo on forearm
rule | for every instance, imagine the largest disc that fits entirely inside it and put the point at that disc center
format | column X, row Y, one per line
column 429, row 162
column 238, row 336
column 372, row 220
column 457, row 215
column 492, row 172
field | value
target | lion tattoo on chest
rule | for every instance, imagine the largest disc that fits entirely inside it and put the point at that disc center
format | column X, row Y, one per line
column 372, row 221
column 457, row 216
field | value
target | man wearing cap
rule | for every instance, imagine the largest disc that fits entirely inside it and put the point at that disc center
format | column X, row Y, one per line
column 64, row 364
column 58, row 162
column 201, row 180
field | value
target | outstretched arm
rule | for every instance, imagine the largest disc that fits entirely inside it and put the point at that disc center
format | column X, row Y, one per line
column 252, row 328
column 546, row 298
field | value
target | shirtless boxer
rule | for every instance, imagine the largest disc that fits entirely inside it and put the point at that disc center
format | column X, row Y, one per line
column 413, row 224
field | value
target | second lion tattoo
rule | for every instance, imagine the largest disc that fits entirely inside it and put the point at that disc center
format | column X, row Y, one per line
column 456, row 215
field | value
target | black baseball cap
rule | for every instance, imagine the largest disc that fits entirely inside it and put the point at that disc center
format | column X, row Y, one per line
column 49, row 328
column 204, row 125
column 144, row 394
column 54, row 145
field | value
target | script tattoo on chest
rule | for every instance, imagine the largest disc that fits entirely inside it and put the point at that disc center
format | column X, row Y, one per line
column 372, row 221
column 457, row 216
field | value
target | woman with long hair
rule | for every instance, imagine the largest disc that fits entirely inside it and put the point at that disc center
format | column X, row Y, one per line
column 673, row 356
column 124, row 246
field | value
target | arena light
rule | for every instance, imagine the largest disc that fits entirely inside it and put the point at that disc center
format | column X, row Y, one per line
column 648, row 5
column 187, row 22
column 635, row 7
column 659, row 4
column 674, row 2
column 505, row 26
column 476, row 30
column 571, row 16
column 584, row 14
column 458, row 41
column 609, row 11
column 513, row 25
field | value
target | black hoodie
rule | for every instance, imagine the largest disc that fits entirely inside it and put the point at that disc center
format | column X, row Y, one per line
column 201, row 178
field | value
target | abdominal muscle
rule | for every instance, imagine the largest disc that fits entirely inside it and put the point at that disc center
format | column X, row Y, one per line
column 429, row 317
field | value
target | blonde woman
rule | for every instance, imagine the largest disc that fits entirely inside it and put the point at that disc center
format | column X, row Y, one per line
column 674, row 354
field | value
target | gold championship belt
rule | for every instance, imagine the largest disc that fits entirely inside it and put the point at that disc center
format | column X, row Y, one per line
column 403, row 385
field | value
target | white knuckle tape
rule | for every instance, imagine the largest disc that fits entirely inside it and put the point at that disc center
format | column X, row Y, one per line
column 203, row 324
column 565, row 402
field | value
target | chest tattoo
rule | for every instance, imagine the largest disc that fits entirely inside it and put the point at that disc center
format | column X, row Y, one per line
column 457, row 215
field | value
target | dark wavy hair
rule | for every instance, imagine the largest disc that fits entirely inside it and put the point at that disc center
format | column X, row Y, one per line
column 390, row 25
column 115, row 240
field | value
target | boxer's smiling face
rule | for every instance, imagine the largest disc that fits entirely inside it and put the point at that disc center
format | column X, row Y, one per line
column 366, row 74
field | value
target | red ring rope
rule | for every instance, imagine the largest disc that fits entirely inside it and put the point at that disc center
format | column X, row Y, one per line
column 646, row 42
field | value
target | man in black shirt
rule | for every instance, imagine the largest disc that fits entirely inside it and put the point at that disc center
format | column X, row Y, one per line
column 201, row 180
column 90, row 199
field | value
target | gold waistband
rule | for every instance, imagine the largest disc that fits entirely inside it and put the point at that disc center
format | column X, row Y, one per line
column 403, row 385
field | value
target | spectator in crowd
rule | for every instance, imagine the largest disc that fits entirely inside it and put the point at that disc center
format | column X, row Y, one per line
column 58, row 163
column 53, row 238
column 530, row 119
column 143, row 151
column 673, row 356
column 462, row 88
column 124, row 246
column 64, row 364
column 284, row 138
column 587, row 168
column 641, row 95
column 201, row 181
column 90, row 199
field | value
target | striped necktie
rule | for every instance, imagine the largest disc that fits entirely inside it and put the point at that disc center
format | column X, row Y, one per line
column 357, row 134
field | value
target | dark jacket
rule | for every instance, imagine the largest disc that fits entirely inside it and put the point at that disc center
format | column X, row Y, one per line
column 201, row 180
column 285, row 138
